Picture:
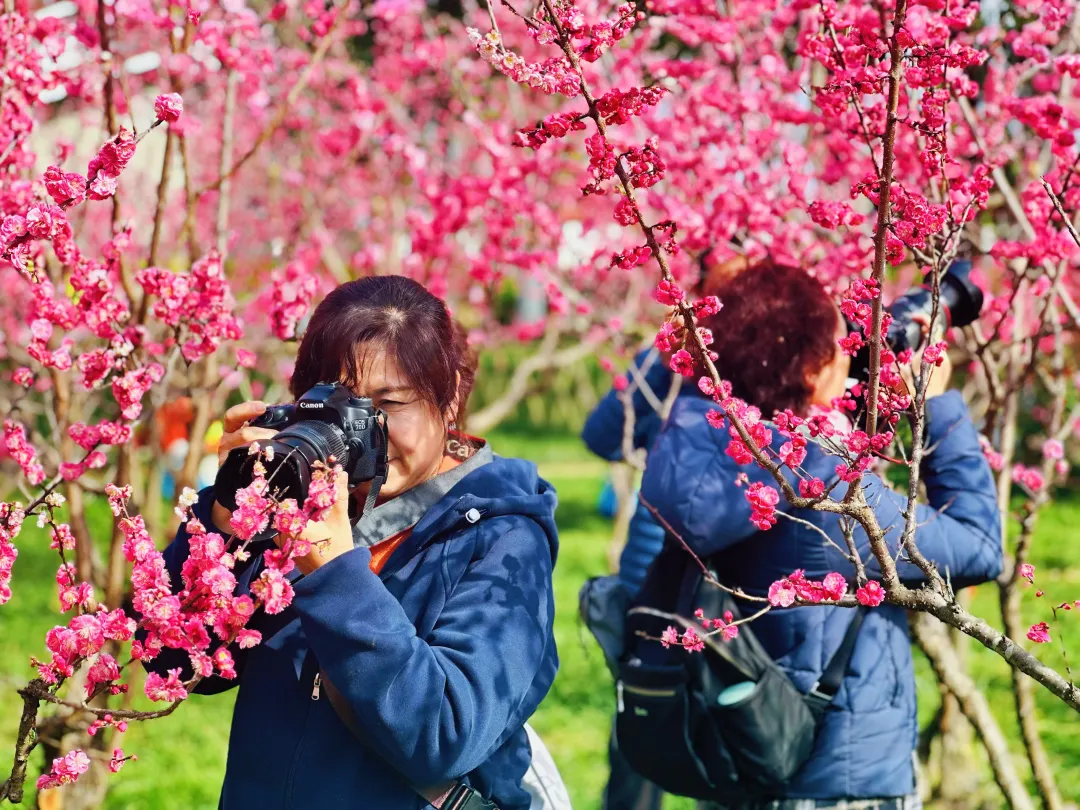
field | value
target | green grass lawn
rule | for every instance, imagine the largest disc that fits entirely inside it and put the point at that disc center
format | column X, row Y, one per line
column 182, row 757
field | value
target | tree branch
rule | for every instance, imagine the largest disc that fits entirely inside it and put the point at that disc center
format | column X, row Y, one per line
column 294, row 92
column 884, row 215
column 931, row 636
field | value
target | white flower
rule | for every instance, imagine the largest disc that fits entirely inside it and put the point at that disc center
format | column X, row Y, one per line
column 188, row 497
column 55, row 500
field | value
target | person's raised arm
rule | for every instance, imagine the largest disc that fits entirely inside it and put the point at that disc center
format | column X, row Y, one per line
column 437, row 706
column 603, row 431
column 960, row 529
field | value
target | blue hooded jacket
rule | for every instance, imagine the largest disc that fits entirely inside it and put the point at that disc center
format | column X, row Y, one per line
column 603, row 435
column 442, row 657
column 865, row 746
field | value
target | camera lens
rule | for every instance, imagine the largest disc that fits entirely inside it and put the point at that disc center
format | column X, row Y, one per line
column 295, row 450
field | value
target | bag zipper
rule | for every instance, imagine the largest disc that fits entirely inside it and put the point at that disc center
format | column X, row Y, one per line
column 301, row 744
column 621, row 687
column 640, row 690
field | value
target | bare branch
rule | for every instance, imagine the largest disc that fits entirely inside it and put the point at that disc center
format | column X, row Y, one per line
column 294, row 92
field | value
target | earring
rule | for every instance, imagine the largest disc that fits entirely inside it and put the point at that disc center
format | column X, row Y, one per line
column 453, row 426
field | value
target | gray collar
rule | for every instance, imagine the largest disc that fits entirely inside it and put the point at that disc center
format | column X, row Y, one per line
column 406, row 509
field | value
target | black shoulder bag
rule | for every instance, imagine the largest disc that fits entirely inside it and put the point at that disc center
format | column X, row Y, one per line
column 670, row 727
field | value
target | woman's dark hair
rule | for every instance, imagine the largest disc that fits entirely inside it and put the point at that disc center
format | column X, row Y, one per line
column 398, row 315
column 776, row 330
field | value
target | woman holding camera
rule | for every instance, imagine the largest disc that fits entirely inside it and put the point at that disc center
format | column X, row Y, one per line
column 776, row 338
column 419, row 640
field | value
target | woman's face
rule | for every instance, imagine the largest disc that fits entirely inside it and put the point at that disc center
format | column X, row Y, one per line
column 831, row 381
column 417, row 431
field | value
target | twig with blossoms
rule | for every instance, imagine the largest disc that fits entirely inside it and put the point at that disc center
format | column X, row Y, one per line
column 175, row 620
column 321, row 49
column 68, row 189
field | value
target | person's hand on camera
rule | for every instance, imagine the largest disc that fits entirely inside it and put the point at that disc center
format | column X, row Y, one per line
column 238, row 433
column 329, row 538
column 332, row 536
column 940, row 374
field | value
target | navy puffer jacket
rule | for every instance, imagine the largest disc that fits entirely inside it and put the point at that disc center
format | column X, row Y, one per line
column 865, row 746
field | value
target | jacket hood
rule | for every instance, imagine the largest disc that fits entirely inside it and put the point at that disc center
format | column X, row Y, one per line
column 501, row 487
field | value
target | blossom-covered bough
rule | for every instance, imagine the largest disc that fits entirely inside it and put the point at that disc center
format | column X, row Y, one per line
column 591, row 154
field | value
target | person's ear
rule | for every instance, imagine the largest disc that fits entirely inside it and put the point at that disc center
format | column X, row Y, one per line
column 455, row 405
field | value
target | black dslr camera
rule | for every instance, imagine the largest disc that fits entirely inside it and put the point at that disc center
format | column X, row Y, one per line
column 960, row 299
column 326, row 422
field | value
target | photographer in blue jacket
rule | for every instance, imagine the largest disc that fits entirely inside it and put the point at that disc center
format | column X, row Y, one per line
column 776, row 340
column 420, row 637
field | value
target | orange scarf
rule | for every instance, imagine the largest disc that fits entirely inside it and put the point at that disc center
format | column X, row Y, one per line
column 381, row 551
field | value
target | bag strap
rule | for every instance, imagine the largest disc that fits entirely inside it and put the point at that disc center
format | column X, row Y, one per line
column 451, row 795
column 821, row 694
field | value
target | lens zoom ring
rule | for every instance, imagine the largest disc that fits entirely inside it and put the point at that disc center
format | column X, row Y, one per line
column 326, row 437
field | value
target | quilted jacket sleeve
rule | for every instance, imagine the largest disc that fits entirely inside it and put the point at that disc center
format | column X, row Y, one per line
column 603, row 432
column 960, row 529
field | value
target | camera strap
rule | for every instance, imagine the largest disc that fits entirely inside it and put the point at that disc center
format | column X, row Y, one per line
column 373, row 493
column 450, row 795
column 382, row 466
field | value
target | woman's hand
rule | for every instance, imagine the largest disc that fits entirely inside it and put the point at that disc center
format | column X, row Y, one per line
column 938, row 383
column 237, row 434
column 330, row 538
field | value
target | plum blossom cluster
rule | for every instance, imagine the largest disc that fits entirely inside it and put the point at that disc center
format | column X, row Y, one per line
column 554, row 75
column 689, row 640
column 89, row 437
column 293, row 290
column 1028, row 477
column 48, row 222
column 70, row 591
column 203, row 617
column 1039, row 633
column 598, row 37
column 200, row 300
column 727, row 628
column 12, row 516
column 555, row 125
column 796, row 587
column 20, row 449
column 83, row 637
column 619, row 107
column 65, row 770
column 763, row 500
